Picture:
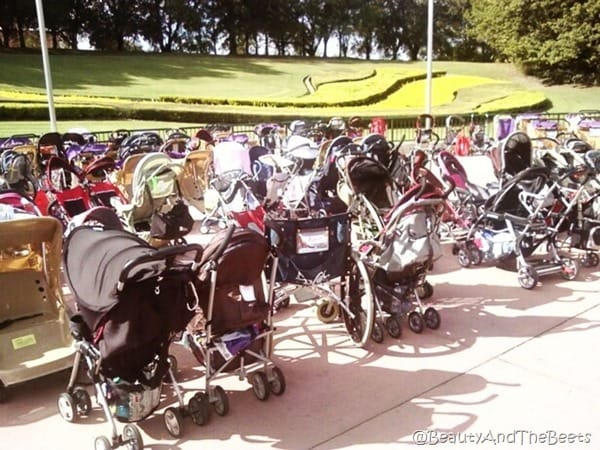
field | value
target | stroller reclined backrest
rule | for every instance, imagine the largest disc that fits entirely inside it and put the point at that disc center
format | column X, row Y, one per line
column 239, row 291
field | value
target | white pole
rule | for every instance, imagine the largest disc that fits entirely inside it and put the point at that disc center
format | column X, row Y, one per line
column 47, row 75
column 429, row 56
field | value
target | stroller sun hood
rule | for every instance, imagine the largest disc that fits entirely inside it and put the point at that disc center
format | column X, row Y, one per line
column 106, row 253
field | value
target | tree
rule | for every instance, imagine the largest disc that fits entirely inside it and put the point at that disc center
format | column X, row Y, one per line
column 558, row 41
column 113, row 22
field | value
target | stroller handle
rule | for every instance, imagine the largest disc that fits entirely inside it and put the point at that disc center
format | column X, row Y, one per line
column 222, row 246
column 159, row 255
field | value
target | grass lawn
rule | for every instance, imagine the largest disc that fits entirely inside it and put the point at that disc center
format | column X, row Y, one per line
column 137, row 81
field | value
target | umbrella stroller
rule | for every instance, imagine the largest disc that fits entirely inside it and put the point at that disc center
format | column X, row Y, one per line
column 130, row 307
column 234, row 332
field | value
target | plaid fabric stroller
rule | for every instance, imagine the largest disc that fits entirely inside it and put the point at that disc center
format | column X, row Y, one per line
column 129, row 309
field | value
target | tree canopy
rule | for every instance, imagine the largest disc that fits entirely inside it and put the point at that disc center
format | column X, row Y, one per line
column 558, row 41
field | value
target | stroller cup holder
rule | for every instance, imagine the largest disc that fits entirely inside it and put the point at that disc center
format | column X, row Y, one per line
column 79, row 329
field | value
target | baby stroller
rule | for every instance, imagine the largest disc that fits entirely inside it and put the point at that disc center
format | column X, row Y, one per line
column 157, row 210
column 63, row 194
column 235, row 332
column 516, row 221
column 34, row 332
column 399, row 258
column 130, row 307
column 314, row 252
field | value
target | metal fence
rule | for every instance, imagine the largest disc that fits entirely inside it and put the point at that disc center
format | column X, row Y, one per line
column 404, row 128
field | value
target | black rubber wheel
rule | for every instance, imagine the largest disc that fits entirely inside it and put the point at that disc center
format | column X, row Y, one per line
column 82, row 400
column 133, row 437
column 198, row 408
column 377, row 333
column 432, row 318
column 277, row 383
column 464, row 257
column 260, row 386
column 570, row 268
column 591, row 259
column 393, row 326
column 474, row 254
column 102, row 443
column 527, row 276
column 415, row 322
column 425, row 290
column 173, row 421
column 222, row 401
column 67, row 407
column 361, row 302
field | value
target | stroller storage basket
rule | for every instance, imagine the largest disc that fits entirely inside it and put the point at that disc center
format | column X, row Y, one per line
column 132, row 402
column 311, row 248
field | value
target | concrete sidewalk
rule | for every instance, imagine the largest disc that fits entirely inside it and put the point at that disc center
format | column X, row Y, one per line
column 508, row 366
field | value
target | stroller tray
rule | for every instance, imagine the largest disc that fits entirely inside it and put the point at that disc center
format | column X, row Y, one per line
column 310, row 248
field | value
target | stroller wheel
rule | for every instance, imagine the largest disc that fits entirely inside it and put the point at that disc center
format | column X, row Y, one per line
column 277, row 383
column 570, row 268
column 66, row 407
column 198, row 408
column 415, row 322
column 377, row 333
column 328, row 311
column 359, row 314
column 133, row 437
column 425, row 290
column 221, row 401
column 527, row 276
column 464, row 257
column 82, row 401
column 173, row 421
column 591, row 259
column 393, row 326
column 474, row 254
column 432, row 318
column 260, row 386
column 102, row 443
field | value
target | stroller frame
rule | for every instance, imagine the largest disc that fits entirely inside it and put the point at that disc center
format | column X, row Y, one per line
column 252, row 360
column 76, row 401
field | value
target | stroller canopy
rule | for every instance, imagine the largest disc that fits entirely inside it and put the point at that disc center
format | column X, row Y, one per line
column 516, row 153
column 93, row 262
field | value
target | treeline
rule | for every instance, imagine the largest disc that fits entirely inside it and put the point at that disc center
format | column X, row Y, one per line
column 557, row 40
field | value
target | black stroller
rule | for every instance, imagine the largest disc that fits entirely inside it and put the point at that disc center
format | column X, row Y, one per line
column 132, row 300
column 514, row 224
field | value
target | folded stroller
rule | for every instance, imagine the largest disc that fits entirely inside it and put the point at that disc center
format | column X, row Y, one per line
column 130, row 307
column 235, row 332
column 399, row 258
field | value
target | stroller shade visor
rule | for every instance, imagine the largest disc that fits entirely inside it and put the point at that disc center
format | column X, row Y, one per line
column 107, row 252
